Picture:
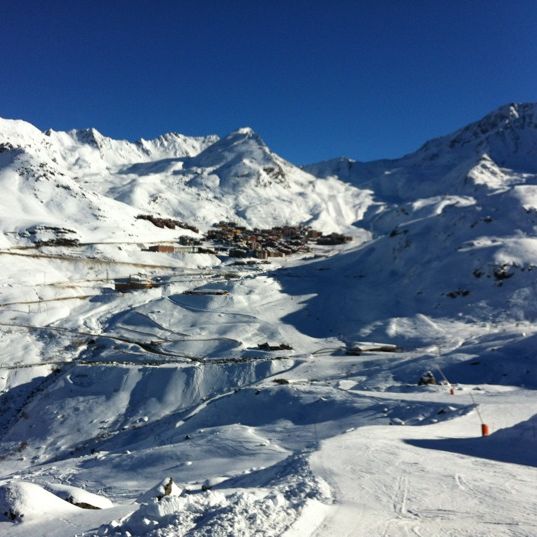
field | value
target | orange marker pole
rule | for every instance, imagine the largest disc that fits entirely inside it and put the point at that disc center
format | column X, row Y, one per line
column 485, row 431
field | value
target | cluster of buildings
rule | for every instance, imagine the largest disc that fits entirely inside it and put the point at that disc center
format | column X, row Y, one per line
column 272, row 242
column 238, row 241
column 133, row 283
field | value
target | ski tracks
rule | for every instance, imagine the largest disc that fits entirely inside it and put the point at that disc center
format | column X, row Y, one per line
column 405, row 522
column 400, row 495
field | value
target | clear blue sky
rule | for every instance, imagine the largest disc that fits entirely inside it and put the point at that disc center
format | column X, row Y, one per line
column 317, row 79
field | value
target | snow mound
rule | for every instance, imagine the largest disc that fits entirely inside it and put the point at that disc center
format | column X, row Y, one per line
column 79, row 497
column 21, row 501
column 166, row 487
column 209, row 514
column 206, row 514
column 262, row 511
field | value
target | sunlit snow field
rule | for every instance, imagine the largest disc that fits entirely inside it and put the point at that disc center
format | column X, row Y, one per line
column 105, row 396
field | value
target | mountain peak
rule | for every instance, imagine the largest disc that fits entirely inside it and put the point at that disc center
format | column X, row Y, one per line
column 508, row 135
column 19, row 132
column 244, row 134
column 515, row 110
column 246, row 131
column 176, row 145
column 89, row 136
column 237, row 146
column 513, row 115
column 507, row 118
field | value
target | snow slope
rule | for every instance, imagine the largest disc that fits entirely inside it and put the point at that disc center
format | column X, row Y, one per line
column 105, row 396
column 453, row 231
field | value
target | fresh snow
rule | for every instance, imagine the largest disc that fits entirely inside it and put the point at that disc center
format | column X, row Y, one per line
column 155, row 413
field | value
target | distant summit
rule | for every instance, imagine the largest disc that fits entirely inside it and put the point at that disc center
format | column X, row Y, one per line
column 508, row 133
column 205, row 179
column 201, row 179
column 457, row 163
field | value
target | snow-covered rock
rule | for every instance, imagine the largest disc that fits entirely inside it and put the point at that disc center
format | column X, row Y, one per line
column 167, row 487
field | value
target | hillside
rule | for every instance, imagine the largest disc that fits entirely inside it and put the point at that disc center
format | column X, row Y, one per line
column 153, row 385
column 453, row 228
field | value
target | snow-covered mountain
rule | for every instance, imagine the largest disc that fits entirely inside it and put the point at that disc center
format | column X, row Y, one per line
column 244, row 382
column 454, row 229
column 44, row 177
column 200, row 179
column 489, row 153
column 88, row 148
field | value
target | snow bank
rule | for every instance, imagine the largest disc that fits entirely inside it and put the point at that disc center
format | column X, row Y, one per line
column 207, row 514
column 261, row 511
column 79, row 497
column 21, row 501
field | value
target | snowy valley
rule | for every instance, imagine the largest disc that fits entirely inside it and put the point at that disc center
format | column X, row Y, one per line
column 152, row 384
